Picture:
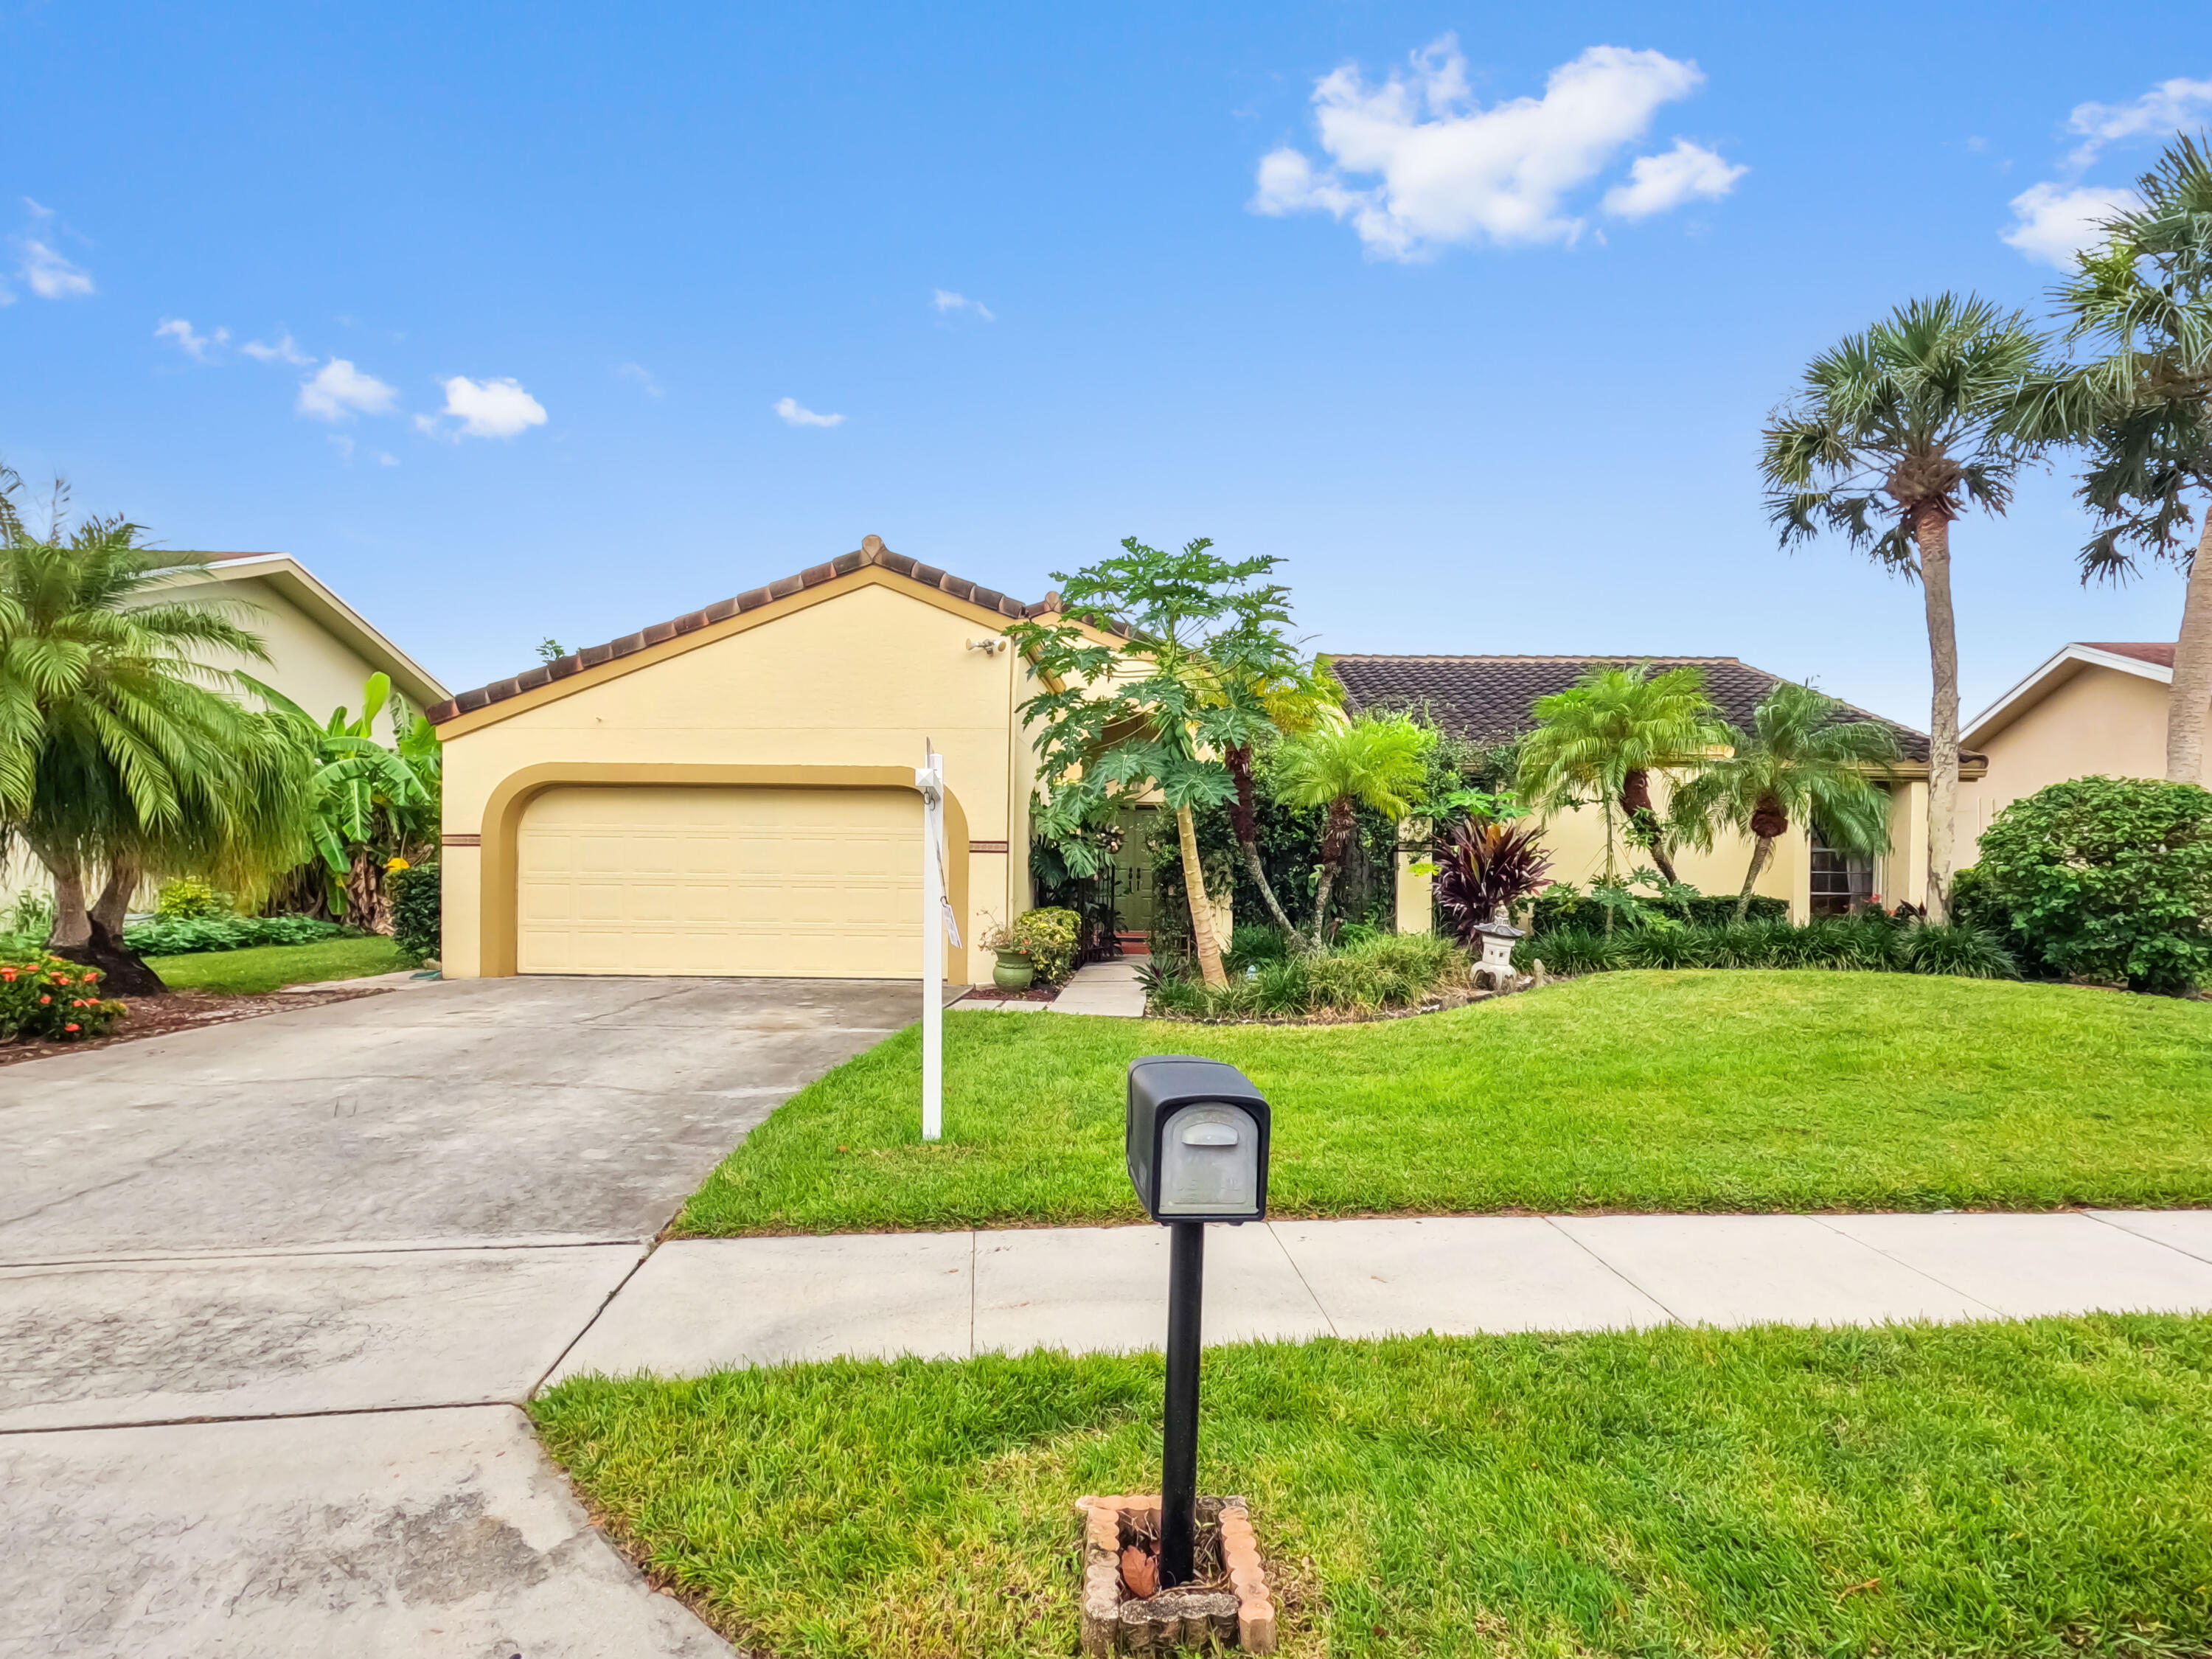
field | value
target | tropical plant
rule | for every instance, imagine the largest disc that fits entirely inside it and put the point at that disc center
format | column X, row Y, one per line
column 2144, row 410
column 1135, row 700
column 1377, row 761
column 1484, row 868
column 2106, row 878
column 120, row 758
column 1800, row 763
column 417, row 916
column 1600, row 740
column 52, row 999
column 188, row 896
column 1955, row 948
column 371, row 803
column 1896, row 431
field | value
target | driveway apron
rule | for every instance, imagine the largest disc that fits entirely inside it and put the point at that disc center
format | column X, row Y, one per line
column 271, row 1291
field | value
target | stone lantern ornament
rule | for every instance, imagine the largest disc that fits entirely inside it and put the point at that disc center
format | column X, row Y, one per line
column 1496, row 962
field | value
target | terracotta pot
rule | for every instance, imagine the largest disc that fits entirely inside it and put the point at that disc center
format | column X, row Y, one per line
column 1013, row 972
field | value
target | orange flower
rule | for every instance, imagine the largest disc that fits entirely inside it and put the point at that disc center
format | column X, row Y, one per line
column 43, row 1001
column 69, row 1028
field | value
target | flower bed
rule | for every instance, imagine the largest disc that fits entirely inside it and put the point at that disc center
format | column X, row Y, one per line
column 49, row 999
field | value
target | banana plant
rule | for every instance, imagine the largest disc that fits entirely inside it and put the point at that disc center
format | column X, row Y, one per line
column 370, row 802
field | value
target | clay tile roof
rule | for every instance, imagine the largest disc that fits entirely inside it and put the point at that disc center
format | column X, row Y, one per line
column 2157, row 652
column 872, row 551
column 1486, row 699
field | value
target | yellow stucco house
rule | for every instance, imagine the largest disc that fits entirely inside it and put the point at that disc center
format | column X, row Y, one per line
column 732, row 791
column 2089, row 709
column 1487, row 700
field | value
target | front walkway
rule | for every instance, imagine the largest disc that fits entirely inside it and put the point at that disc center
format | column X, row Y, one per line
column 698, row 1304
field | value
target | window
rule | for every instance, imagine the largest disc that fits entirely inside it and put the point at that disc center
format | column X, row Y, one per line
column 1839, row 882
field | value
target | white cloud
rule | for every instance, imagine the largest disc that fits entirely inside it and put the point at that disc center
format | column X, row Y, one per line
column 642, row 375
column 945, row 299
column 39, row 263
column 487, row 408
column 191, row 344
column 1659, row 183
column 2052, row 223
column 384, row 458
column 283, row 349
column 339, row 389
column 1448, row 170
column 788, row 410
column 2165, row 108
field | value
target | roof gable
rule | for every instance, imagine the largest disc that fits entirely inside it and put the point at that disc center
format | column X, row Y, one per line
column 871, row 555
column 2149, row 659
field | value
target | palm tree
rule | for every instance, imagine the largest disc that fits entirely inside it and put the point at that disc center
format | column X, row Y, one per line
column 2145, row 411
column 1896, row 432
column 369, row 802
column 1603, row 737
column 119, row 756
column 1799, row 762
column 1377, row 760
column 1256, row 668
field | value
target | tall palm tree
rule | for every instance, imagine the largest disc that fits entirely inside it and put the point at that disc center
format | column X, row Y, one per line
column 1255, row 666
column 1896, row 431
column 1799, row 762
column 119, row 756
column 1603, row 737
column 1378, row 761
column 2145, row 412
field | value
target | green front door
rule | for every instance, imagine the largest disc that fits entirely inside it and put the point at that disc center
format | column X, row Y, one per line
column 1133, row 872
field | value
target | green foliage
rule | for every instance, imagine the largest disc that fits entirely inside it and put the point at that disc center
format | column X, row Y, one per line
column 1595, row 743
column 1483, row 867
column 1377, row 761
column 185, row 936
column 45, row 999
column 119, row 754
column 417, row 916
column 2105, row 879
column 1869, row 944
column 1908, row 416
column 31, row 915
column 1556, row 910
column 1047, row 936
column 188, row 897
column 1371, row 975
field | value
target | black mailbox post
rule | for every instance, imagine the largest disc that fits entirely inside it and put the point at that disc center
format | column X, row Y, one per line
column 1198, row 1153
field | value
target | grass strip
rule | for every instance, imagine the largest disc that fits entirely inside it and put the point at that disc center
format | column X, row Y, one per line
column 1655, row 1091
column 265, row 968
column 2032, row 1488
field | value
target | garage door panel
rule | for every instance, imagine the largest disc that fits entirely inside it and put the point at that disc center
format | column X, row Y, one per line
column 720, row 881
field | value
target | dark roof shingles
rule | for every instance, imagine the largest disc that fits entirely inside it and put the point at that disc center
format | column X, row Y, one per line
column 1486, row 699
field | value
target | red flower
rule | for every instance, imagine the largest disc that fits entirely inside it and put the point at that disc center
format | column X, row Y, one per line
column 69, row 1028
column 43, row 1000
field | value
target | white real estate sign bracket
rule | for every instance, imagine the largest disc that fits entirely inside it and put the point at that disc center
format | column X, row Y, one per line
column 937, row 924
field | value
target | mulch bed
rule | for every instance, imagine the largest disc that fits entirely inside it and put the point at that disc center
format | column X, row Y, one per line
column 181, row 1011
column 992, row 993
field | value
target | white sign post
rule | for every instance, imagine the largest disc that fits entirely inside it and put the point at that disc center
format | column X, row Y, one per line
column 937, row 925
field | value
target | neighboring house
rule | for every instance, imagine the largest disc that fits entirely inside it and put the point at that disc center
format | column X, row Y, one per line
column 1487, row 700
column 321, row 649
column 2090, row 709
column 732, row 791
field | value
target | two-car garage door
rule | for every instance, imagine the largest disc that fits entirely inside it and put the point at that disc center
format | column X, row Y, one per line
column 814, row 882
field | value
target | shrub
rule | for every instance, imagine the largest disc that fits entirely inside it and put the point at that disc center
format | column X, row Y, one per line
column 2105, row 879
column 188, row 898
column 1482, row 867
column 191, row 936
column 31, row 915
column 1664, row 947
column 417, row 917
column 1957, row 948
column 1389, row 971
column 1569, row 950
column 47, row 999
column 1556, row 913
column 1047, row 938
column 1255, row 945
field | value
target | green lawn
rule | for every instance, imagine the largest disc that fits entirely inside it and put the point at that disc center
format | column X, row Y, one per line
column 271, row 967
column 2002, row 1490
column 1733, row 1090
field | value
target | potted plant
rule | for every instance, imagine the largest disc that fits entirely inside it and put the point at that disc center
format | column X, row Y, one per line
column 1014, row 969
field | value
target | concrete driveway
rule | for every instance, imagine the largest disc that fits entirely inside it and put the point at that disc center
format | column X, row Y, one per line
column 270, row 1292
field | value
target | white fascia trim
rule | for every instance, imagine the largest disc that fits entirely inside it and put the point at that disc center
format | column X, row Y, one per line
column 2088, row 655
column 420, row 686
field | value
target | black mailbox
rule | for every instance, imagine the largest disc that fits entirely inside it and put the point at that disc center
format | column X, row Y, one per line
column 1197, row 1140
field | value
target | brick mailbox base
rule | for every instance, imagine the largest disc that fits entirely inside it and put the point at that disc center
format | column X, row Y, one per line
column 1230, row 1605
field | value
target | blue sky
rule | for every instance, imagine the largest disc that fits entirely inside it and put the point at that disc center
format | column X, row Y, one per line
column 510, row 298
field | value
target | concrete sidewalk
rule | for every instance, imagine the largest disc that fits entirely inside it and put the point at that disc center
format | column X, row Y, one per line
column 699, row 1304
